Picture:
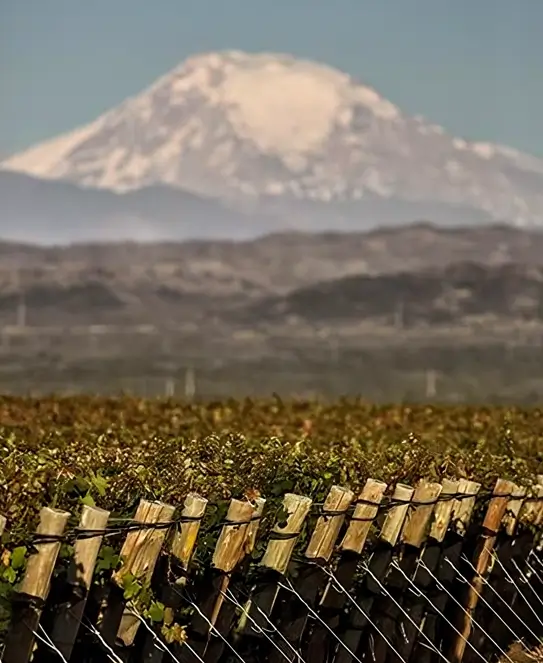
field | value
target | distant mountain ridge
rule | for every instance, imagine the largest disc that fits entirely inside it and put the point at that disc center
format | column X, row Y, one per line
column 456, row 294
column 34, row 210
column 280, row 142
column 438, row 276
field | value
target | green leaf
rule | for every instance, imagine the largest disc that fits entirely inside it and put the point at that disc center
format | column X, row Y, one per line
column 108, row 560
column 88, row 500
column 18, row 557
column 100, row 483
column 9, row 574
column 156, row 611
column 131, row 586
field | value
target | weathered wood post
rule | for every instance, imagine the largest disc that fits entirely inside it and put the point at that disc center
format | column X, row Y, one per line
column 438, row 577
column 416, row 602
column 139, row 555
column 387, row 614
column 182, row 547
column 294, row 607
column 522, row 610
column 335, row 596
column 489, row 633
column 224, row 611
column 70, row 612
column 31, row 598
column 377, row 570
column 482, row 561
column 272, row 569
column 227, row 554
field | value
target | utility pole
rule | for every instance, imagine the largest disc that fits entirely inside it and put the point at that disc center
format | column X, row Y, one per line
column 169, row 388
column 21, row 312
column 431, row 383
column 190, row 383
column 21, row 304
column 334, row 349
column 399, row 316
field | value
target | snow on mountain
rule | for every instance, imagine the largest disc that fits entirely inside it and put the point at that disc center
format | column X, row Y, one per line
column 268, row 128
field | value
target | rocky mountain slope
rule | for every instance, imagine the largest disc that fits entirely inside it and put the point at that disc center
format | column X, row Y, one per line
column 442, row 275
column 457, row 294
column 271, row 135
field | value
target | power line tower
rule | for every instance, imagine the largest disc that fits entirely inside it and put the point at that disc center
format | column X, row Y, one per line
column 190, row 383
column 21, row 302
column 399, row 316
column 431, row 383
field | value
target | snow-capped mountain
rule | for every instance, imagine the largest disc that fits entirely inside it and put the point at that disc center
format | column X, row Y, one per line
column 272, row 132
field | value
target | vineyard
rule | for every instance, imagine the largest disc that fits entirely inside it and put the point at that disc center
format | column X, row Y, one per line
column 115, row 481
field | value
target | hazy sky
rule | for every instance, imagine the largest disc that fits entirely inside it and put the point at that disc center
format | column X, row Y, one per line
column 475, row 66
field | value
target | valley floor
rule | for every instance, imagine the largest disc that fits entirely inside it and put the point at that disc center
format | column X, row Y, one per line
column 500, row 364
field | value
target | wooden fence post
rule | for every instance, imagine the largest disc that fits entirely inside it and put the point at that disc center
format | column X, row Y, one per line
column 279, row 550
column 532, row 509
column 423, row 578
column 482, row 561
column 3, row 523
column 294, row 608
column 512, row 511
column 489, row 633
column 378, row 567
column 416, row 528
column 464, row 506
column 69, row 613
column 443, row 512
column 139, row 555
column 442, row 562
column 227, row 554
column 364, row 516
column 184, row 541
column 224, row 612
column 335, row 596
column 387, row 612
column 396, row 515
column 182, row 547
column 35, row 586
column 519, row 556
column 140, row 552
column 322, row 541
column 274, row 563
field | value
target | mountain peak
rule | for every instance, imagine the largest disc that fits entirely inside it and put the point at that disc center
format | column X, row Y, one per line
column 283, row 106
column 278, row 103
column 250, row 128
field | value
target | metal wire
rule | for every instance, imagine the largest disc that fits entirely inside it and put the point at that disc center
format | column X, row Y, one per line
column 516, row 586
column 229, row 596
column 276, row 630
column 526, row 581
column 417, row 592
column 404, row 612
column 489, row 605
column 163, row 646
column 213, row 629
column 500, row 597
column 318, row 618
column 47, row 641
column 343, row 590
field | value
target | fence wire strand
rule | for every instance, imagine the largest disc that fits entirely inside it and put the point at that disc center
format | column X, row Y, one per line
column 118, row 526
column 517, row 587
column 498, row 595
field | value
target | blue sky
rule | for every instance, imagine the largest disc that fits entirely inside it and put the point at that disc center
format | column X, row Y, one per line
column 475, row 66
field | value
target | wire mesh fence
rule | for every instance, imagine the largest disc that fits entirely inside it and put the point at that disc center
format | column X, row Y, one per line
column 436, row 572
